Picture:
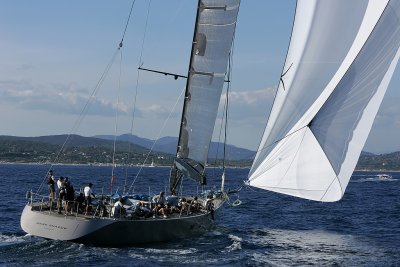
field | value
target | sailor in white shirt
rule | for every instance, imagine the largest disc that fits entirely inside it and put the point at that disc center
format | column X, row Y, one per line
column 118, row 209
column 88, row 196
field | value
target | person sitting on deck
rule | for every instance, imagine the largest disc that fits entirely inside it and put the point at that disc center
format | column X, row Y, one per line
column 194, row 205
column 118, row 209
column 160, row 207
column 172, row 202
column 142, row 210
column 209, row 205
column 183, row 205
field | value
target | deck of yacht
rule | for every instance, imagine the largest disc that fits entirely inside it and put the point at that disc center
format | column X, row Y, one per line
column 102, row 209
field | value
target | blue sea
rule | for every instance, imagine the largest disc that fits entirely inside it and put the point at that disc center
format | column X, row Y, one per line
column 267, row 229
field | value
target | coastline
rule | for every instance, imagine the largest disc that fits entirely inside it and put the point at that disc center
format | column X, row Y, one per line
column 149, row 166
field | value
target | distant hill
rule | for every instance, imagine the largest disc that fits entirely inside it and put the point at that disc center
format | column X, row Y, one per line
column 370, row 161
column 168, row 145
column 78, row 150
column 143, row 142
column 99, row 150
column 77, row 141
column 364, row 153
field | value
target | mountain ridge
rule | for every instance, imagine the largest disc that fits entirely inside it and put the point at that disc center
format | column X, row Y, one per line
column 168, row 145
column 95, row 150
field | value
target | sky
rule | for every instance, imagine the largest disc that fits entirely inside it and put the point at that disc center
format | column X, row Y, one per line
column 53, row 53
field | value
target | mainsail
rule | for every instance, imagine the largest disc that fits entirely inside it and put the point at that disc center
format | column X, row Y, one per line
column 212, row 40
column 340, row 60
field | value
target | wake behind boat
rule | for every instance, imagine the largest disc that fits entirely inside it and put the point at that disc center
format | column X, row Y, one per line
column 384, row 176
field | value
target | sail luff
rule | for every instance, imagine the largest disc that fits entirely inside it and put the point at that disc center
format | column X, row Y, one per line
column 303, row 20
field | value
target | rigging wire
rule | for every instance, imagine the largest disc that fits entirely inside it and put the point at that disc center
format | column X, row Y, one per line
column 219, row 136
column 226, row 122
column 224, row 119
column 226, row 113
column 136, row 91
column 119, row 86
column 158, row 136
column 127, row 22
column 116, row 122
column 82, row 114
column 89, row 101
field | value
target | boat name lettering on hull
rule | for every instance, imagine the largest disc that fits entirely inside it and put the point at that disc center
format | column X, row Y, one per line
column 51, row 226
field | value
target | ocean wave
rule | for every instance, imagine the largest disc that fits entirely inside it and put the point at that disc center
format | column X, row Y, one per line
column 10, row 239
column 171, row 251
column 168, row 256
column 293, row 247
column 236, row 244
column 373, row 179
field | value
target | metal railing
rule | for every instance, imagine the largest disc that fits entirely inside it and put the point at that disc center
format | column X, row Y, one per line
column 102, row 209
column 67, row 207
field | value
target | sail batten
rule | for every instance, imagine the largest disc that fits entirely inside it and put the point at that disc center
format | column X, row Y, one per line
column 335, row 91
column 212, row 41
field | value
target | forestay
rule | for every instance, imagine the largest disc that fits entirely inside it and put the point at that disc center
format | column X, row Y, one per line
column 340, row 60
column 214, row 30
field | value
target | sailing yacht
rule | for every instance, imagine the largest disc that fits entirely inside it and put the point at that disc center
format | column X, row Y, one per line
column 212, row 40
column 341, row 57
column 152, row 164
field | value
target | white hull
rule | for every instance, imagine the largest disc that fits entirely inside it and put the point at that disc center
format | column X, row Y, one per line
column 112, row 232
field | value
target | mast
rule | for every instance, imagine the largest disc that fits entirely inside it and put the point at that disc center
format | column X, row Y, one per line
column 212, row 39
column 176, row 174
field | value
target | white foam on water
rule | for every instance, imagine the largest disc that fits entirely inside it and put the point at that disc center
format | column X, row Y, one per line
column 171, row 251
column 290, row 247
column 236, row 244
column 214, row 233
column 235, row 238
column 179, row 255
column 10, row 239
column 373, row 179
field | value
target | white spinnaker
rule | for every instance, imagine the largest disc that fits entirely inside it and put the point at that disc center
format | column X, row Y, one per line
column 320, row 121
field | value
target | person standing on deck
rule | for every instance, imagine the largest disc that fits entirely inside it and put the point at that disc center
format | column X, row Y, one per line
column 50, row 184
column 88, row 196
column 59, row 186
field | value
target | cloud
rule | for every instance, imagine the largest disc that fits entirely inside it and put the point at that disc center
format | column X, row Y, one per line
column 250, row 105
column 71, row 99
column 388, row 115
column 158, row 111
column 252, row 97
column 155, row 109
column 56, row 98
